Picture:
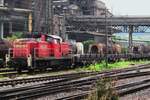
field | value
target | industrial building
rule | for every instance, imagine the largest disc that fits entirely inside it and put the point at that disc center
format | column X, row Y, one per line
column 14, row 16
column 50, row 16
column 81, row 8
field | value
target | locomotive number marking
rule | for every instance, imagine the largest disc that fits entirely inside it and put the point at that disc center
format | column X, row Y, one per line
column 43, row 46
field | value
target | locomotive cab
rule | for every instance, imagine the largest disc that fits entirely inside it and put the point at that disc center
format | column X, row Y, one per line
column 54, row 46
column 54, row 52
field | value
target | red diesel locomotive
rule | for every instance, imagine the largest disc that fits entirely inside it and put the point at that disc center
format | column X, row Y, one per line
column 46, row 51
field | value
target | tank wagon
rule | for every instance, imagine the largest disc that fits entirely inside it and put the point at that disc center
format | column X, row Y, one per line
column 141, row 49
column 100, row 48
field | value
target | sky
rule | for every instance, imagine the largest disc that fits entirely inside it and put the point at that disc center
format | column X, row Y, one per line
column 129, row 7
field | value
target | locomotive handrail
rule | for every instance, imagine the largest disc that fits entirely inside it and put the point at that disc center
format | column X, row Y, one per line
column 9, row 50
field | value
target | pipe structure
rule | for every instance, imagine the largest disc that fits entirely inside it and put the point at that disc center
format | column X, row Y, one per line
column 1, row 30
column 130, row 38
column 20, row 10
column 106, row 35
column 30, row 23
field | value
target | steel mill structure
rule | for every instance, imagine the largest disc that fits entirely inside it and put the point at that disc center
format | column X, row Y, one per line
column 47, row 16
column 70, row 19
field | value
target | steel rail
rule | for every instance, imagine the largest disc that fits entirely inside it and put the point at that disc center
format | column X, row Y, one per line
column 133, row 87
column 45, row 78
column 59, row 87
column 121, row 90
column 75, row 96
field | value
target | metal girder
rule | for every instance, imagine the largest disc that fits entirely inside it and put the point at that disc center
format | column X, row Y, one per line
column 136, row 29
column 18, row 10
column 12, row 18
column 114, row 21
column 116, row 24
column 141, row 29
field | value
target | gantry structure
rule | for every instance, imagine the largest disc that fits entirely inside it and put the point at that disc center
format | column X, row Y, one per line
column 126, row 24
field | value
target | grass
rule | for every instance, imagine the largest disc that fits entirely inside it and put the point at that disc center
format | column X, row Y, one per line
column 2, row 77
column 116, row 65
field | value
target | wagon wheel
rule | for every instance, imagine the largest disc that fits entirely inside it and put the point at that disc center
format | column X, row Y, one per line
column 19, row 70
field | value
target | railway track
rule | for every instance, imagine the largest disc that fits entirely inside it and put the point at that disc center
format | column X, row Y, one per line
column 133, row 87
column 46, row 78
column 70, row 84
column 7, row 73
column 6, row 70
column 75, row 96
column 14, row 73
column 32, row 91
column 122, row 90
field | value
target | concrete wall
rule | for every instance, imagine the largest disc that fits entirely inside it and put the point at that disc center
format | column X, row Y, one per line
column 80, row 37
column 100, row 39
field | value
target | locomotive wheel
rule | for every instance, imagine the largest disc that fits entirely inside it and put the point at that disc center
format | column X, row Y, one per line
column 31, row 71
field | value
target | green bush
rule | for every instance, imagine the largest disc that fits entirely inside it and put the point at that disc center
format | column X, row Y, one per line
column 14, row 36
column 103, row 90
